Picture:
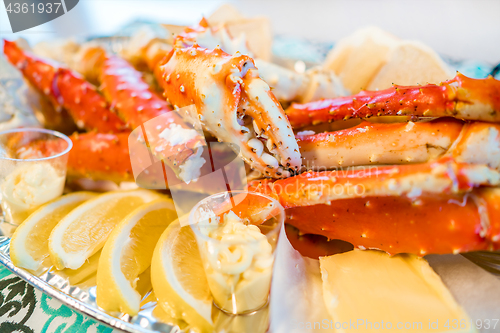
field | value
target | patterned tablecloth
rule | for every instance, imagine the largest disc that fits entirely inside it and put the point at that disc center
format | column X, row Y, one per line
column 26, row 309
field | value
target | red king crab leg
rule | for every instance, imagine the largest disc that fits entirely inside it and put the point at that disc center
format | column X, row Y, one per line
column 427, row 208
column 399, row 143
column 444, row 176
column 101, row 155
column 107, row 154
column 66, row 89
column 136, row 103
column 460, row 97
column 431, row 225
column 287, row 85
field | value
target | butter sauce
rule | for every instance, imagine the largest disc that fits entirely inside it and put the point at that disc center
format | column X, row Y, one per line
column 238, row 263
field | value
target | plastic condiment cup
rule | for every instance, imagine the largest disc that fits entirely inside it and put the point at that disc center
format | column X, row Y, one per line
column 33, row 163
column 237, row 234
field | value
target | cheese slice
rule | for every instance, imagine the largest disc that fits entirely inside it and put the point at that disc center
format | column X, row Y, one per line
column 367, row 291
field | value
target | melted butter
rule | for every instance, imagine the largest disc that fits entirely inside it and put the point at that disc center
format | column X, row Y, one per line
column 238, row 264
column 27, row 187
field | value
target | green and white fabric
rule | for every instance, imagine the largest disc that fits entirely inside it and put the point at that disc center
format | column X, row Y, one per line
column 25, row 309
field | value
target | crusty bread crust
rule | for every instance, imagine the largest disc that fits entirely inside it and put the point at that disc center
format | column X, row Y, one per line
column 411, row 63
column 372, row 59
column 257, row 30
column 357, row 58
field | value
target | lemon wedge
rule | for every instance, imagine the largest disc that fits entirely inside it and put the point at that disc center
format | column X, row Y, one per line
column 169, row 317
column 85, row 229
column 127, row 253
column 29, row 246
column 179, row 280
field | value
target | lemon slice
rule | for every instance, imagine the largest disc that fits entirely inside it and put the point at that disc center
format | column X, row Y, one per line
column 87, row 272
column 127, row 253
column 168, row 317
column 29, row 246
column 84, row 231
column 179, row 280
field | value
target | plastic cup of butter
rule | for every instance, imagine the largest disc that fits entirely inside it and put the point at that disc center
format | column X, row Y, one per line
column 33, row 163
column 237, row 234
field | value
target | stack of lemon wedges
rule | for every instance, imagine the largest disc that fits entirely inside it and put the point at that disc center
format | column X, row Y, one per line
column 134, row 241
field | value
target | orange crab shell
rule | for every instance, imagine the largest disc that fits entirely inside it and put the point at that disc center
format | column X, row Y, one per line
column 86, row 106
column 460, row 97
column 455, row 219
column 131, row 96
column 431, row 224
column 179, row 85
column 100, row 156
column 65, row 88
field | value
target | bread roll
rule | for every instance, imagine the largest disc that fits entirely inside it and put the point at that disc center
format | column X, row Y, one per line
column 357, row 58
column 411, row 63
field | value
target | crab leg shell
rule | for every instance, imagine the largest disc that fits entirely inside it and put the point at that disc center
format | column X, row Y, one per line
column 225, row 89
column 39, row 72
column 129, row 94
column 137, row 104
column 431, row 225
column 122, row 85
column 399, row 143
column 444, row 176
column 460, row 97
column 94, row 155
column 66, row 89
column 100, row 157
column 378, row 143
column 86, row 106
column 104, row 157
column 267, row 111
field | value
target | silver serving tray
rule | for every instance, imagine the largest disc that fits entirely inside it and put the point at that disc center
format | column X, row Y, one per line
column 83, row 300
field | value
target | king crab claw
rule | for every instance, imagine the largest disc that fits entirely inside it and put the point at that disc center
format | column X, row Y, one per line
column 234, row 104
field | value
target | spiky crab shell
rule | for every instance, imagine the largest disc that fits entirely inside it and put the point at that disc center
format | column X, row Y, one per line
column 460, row 97
column 138, row 105
column 414, row 180
column 429, row 225
column 65, row 88
column 85, row 104
column 100, row 157
column 129, row 94
column 436, row 223
column 39, row 72
column 378, row 143
column 234, row 104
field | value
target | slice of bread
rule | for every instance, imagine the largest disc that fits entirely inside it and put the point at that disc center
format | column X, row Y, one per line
column 224, row 13
column 173, row 30
column 258, row 34
column 257, row 30
column 411, row 63
column 357, row 58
